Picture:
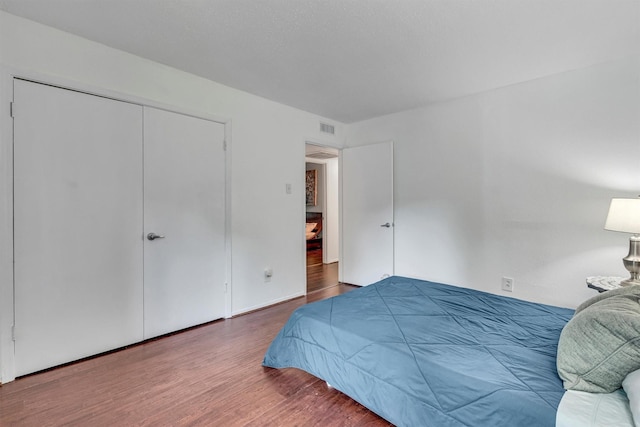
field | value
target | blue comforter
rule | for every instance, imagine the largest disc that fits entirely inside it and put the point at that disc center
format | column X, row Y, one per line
column 426, row 354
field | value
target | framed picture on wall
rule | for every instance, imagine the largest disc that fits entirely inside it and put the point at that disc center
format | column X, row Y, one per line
column 311, row 187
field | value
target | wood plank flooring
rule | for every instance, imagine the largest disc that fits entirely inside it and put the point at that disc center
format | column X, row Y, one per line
column 320, row 275
column 205, row 376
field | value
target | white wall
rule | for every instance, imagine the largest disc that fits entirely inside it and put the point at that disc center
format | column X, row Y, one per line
column 267, row 145
column 516, row 182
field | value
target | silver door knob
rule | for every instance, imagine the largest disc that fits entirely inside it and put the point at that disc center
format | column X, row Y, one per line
column 154, row 236
column 386, row 225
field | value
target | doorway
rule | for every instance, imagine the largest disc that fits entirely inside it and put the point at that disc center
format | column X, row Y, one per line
column 322, row 213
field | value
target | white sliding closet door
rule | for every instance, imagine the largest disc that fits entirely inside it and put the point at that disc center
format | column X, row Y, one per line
column 184, row 198
column 78, row 225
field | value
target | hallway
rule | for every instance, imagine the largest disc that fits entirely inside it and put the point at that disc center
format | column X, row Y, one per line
column 319, row 275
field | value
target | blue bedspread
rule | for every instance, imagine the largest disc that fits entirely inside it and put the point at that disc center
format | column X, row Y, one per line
column 426, row 354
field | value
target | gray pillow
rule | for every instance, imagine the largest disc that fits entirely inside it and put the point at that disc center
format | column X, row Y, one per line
column 633, row 290
column 601, row 343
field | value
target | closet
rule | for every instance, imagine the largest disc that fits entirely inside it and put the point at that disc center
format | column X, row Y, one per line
column 119, row 223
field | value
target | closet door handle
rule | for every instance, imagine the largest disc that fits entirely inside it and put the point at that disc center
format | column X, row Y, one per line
column 154, row 236
column 386, row 225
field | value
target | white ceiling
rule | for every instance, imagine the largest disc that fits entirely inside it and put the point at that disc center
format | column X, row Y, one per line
column 350, row 60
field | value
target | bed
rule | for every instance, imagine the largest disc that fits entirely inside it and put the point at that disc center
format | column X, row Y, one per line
column 429, row 354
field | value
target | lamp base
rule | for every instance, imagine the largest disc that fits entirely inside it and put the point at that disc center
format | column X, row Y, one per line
column 632, row 262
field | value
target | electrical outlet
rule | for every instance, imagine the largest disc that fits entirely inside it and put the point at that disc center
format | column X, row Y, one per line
column 507, row 284
column 268, row 273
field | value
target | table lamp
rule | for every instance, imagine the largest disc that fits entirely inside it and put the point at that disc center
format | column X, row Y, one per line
column 624, row 216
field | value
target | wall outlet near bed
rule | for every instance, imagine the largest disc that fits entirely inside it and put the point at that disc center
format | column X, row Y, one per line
column 268, row 273
column 507, row 284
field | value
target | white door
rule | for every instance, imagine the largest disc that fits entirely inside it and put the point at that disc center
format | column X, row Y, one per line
column 367, row 213
column 77, row 223
column 184, row 200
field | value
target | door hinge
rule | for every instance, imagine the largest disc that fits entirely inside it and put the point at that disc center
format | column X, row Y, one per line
column 226, row 288
column 13, row 332
column 224, row 145
column 11, row 109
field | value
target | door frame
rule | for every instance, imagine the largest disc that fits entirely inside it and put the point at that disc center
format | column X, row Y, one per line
column 317, row 143
column 7, row 295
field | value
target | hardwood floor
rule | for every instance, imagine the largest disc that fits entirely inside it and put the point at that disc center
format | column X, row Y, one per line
column 210, row 375
column 320, row 275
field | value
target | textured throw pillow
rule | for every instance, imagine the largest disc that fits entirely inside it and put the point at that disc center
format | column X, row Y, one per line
column 631, row 290
column 631, row 385
column 601, row 343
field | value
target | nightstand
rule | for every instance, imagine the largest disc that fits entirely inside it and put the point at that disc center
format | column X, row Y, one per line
column 604, row 283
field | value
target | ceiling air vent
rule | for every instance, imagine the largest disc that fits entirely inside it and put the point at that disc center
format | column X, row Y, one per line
column 325, row 128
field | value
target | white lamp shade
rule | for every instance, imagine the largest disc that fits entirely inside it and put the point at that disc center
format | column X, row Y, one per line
column 624, row 216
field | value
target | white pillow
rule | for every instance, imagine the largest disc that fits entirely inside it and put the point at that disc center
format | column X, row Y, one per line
column 583, row 409
column 631, row 386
